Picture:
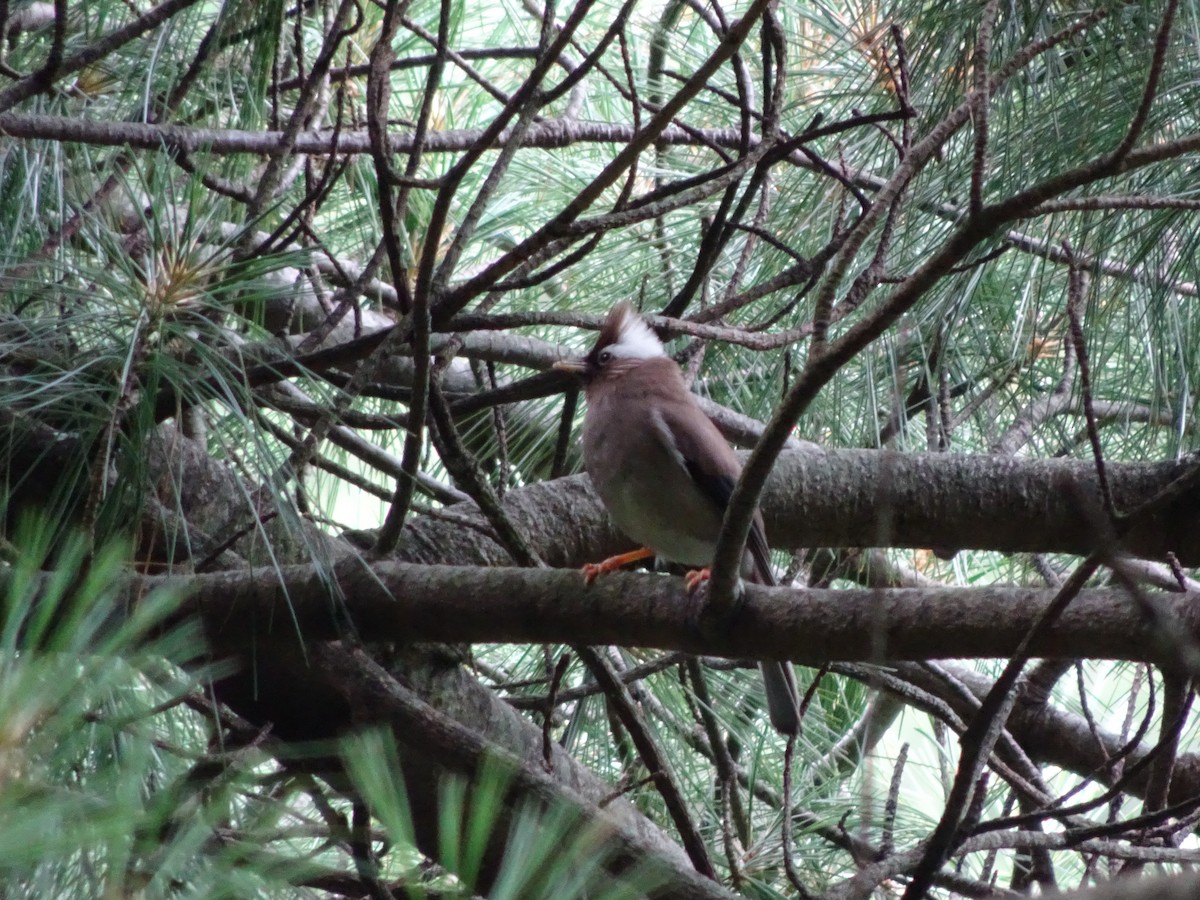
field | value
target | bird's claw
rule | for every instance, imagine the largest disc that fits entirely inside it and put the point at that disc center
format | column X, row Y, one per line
column 702, row 618
column 694, row 578
column 592, row 571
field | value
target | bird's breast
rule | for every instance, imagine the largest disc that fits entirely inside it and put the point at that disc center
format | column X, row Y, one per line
column 646, row 488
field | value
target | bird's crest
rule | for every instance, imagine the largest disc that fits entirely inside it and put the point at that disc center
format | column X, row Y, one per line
column 627, row 336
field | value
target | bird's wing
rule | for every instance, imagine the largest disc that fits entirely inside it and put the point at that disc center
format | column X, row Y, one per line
column 714, row 469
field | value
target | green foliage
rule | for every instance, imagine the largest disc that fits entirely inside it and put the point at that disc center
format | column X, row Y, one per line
column 94, row 737
column 137, row 283
column 544, row 853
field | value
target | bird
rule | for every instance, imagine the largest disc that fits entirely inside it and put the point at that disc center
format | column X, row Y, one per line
column 663, row 470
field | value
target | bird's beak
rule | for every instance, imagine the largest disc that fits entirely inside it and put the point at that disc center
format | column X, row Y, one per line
column 571, row 366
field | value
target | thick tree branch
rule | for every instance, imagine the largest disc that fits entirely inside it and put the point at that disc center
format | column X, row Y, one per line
column 409, row 603
column 842, row 498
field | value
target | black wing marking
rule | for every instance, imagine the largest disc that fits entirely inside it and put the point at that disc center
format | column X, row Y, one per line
column 719, row 488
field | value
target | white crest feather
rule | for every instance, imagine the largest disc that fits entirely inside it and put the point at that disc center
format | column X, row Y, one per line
column 635, row 339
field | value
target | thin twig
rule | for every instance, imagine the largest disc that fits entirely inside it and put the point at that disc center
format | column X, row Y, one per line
column 556, row 677
column 652, row 757
column 887, row 841
column 1162, row 43
column 725, row 768
column 980, row 103
column 463, row 466
column 1077, row 291
column 981, row 735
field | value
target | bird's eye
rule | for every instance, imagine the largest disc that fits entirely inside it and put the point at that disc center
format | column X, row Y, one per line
column 604, row 357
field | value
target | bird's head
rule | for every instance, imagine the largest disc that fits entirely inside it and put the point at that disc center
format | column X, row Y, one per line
column 625, row 342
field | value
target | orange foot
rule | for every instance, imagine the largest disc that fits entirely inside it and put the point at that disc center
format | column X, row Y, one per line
column 696, row 577
column 593, row 570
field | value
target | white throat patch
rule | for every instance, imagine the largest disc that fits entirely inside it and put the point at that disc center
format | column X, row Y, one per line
column 636, row 340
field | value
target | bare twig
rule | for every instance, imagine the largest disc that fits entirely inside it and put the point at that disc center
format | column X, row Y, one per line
column 653, row 758
column 979, row 106
column 981, row 735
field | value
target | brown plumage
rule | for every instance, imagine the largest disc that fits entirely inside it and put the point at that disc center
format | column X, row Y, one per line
column 662, row 468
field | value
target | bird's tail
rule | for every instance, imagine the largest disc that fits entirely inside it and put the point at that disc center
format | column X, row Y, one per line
column 783, row 700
